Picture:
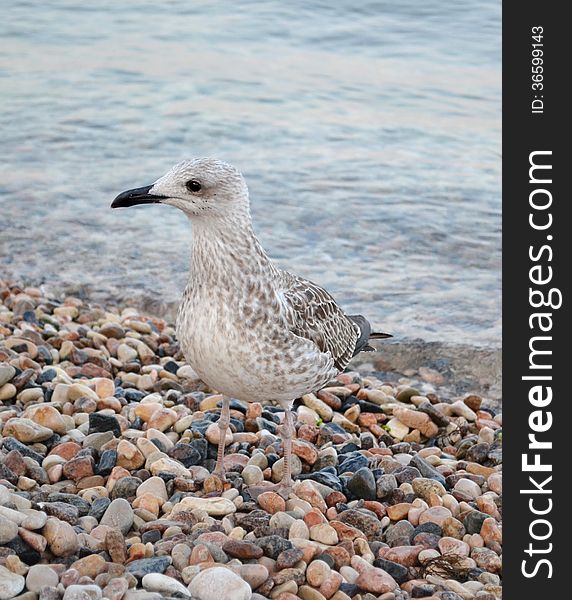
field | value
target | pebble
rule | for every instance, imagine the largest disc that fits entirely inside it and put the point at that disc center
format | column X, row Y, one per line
column 116, row 589
column 319, row 406
column 324, row 533
column 271, row 502
column 82, row 592
column 289, row 558
column 474, row 521
column 273, row 545
column 396, row 428
column 372, row 579
column 435, row 514
column 219, row 584
column 411, row 418
column 47, row 416
column 107, row 444
column 385, row 485
column 427, row 470
column 425, row 487
column 167, row 465
column 399, row 511
column 449, row 545
column 40, row 576
column 252, row 474
column 490, row 531
column 61, row 538
column 461, row 409
column 364, row 521
column 154, row 486
column 103, row 423
column 487, row 559
column 362, row 485
column 11, row 584
column 299, row 530
column 242, row 549
column 155, row 582
column 7, row 391
column 403, row 555
column 119, row 515
column 144, row 566
column 468, row 488
column 89, row 566
column 7, row 372
column 8, row 530
column 253, row 574
column 212, row 506
column 317, row 572
column 26, row 430
column 495, row 483
column 453, row 528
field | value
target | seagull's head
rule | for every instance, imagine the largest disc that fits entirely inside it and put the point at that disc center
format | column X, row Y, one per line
column 200, row 187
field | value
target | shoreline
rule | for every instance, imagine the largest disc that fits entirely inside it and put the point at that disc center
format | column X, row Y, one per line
column 464, row 368
column 458, row 368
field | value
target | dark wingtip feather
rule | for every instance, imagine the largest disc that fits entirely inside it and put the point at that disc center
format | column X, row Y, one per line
column 379, row 336
column 365, row 334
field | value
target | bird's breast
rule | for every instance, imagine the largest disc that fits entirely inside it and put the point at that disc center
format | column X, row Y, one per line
column 241, row 346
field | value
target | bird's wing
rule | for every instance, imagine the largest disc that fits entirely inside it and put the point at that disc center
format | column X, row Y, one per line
column 313, row 314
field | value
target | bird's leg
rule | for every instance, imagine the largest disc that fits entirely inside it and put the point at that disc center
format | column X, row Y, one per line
column 284, row 488
column 223, row 423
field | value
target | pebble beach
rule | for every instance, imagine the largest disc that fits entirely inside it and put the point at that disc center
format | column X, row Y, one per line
column 107, row 443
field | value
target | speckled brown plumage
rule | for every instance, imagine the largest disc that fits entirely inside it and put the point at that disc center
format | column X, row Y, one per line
column 250, row 331
column 312, row 313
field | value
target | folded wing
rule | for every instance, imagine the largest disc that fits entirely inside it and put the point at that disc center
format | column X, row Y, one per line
column 312, row 313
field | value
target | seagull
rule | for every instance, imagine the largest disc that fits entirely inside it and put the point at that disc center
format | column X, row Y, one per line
column 251, row 331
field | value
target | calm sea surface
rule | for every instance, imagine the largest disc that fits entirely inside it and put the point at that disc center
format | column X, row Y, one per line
column 369, row 134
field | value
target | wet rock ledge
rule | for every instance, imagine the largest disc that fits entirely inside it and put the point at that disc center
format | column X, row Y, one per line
column 108, row 439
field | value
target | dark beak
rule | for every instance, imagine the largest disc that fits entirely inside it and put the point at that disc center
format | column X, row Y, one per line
column 136, row 196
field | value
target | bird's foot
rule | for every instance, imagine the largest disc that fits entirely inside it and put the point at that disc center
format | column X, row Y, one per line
column 219, row 472
column 214, row 484
column 284, row 488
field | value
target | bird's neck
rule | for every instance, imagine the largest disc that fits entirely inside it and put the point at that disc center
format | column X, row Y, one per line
column 226, row 251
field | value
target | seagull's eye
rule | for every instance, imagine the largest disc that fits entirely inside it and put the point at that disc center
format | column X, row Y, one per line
column 193, row 185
